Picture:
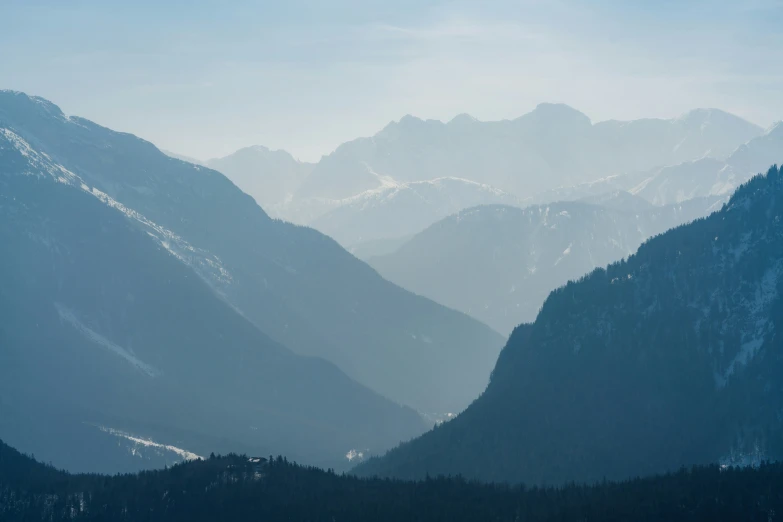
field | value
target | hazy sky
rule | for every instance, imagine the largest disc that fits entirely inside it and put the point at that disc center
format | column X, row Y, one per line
column 203, row 78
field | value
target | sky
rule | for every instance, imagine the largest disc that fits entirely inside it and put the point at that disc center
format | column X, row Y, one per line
column 204, row 78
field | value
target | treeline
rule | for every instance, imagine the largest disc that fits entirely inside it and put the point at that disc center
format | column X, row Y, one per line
column 232, row 488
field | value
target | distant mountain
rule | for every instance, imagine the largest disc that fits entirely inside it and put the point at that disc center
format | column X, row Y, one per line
column 236, row 488
column 295, row 284
column 712, row 177
column 668, row 359
column 499, row 263
column 270, row 176
column 675, row 183
column 552, row 146
column 404, row 209
column 696, row 134
column 392, row 184
column 113, row 349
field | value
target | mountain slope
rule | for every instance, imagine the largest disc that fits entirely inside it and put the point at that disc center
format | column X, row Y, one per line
column 297, row 285
column 404, row 209
column 499, row 263
column 182, row 157
column 670, row 358
column 270, row 176
column 107, row 337
column 552, row 146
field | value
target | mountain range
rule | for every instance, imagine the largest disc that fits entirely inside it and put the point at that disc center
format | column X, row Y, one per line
column 414, row 172
column 554, row 145
column 173, row 315
column 669, row 358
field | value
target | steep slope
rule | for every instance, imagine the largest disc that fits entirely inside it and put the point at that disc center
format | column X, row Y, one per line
column 235, row 488
column 499, row 263
column 552, row 146
column 765, row 149
column 108, row 339
column 297, row 285
column 404, row 209
column 677, row 183
column 270, row 176
column 670, row 358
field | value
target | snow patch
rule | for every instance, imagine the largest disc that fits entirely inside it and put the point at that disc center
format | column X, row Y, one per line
column 207, row 266
column 67, row 315
column 566, row 252
column 149, row 443
column 356, row 455
column 758, row 318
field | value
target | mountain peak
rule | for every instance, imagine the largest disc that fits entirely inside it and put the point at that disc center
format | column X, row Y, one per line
column 557, row 114
column 408, row 124
column 700, row 113
column 462, row 119
column 550, row 106
column 410, row 119
column 17, row 101
column 260, row 148
column 711, row 116
column 255, row 151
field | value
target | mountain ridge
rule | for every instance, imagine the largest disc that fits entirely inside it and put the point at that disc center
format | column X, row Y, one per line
column 295, row 284
column 431, row 142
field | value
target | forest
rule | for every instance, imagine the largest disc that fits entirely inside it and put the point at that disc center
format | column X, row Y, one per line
column 235, row 487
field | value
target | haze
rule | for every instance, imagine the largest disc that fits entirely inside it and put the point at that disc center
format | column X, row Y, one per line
column 391, row 260
column 204, row 79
